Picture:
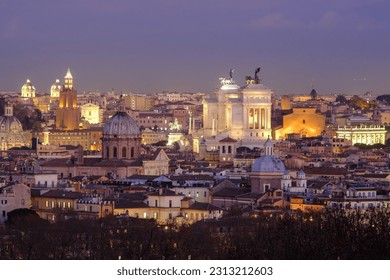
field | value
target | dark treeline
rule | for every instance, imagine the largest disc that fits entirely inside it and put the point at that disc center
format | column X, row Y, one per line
column 330, row 235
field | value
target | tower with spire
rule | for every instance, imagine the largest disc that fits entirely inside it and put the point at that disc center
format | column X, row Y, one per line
column 68, row 113
column 68, row 81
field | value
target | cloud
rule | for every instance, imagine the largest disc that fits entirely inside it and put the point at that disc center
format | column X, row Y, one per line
column 271, row 21
column 11, row 27
column 329, row 19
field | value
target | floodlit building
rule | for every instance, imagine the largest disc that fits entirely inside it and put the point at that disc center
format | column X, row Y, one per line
column 239, row 113
column 91, row 113
column 303, row 121
column 363, row 134
column 28, row 90
column 68, row 113
column 55, row 90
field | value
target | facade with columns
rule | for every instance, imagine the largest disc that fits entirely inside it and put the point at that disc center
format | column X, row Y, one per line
column 241, row 113
column 363, row 134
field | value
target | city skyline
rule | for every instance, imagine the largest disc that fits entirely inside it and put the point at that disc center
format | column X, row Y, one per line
column 186, row 46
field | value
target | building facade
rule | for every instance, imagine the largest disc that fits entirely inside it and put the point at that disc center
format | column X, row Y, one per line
column 363, row 134
column 239, row 113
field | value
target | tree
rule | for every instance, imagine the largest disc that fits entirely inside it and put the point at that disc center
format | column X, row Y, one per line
column 341, row 99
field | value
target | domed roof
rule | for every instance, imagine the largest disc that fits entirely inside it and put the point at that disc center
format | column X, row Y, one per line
column 10, row 123
column 56, row 85
column 28, row 85
column 121, row 124
column 268, row 163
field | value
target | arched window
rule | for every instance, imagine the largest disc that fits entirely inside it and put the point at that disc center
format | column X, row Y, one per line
column 124, row 152
column 107, row 152
column 132, row 152
column 115, row 152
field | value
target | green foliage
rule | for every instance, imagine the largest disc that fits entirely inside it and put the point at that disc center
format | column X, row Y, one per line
column 30, row 119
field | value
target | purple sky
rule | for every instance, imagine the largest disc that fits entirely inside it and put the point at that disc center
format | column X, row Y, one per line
column 149, row 46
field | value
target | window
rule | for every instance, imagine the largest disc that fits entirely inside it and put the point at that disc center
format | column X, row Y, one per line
column 124, row 152
column 4, row 213
column 156, row 203
column 170, row 204
column 115, row 152
column 303, row 121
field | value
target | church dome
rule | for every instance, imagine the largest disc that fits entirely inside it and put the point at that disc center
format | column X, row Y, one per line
column 121, row 124
column 268, row 163
column 28, row 85
column 56, row 89
column 10, row 123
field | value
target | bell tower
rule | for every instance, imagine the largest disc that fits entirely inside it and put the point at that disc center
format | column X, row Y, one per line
column 68, row 113
column 68, row 81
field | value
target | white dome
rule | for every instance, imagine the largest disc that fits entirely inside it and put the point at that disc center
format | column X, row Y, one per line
column 121, row 124
column 28, row 85
column 56, row 85
column 268, row 163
